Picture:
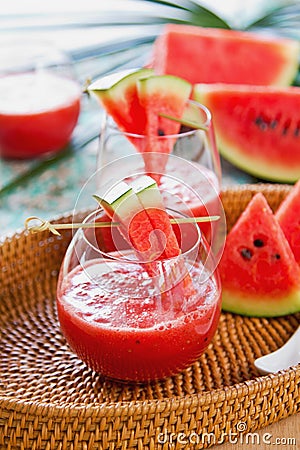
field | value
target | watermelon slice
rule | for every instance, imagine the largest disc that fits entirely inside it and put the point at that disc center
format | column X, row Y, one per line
column 147, row 227
column 177, row 281
column 164, row 94
column 259, row 274
column 288, row 216
column 257, row 127
column 150, row 199
column 117, row 93
column 135, row 105
column 122, row 205
column 210, row 55
column 168, row 95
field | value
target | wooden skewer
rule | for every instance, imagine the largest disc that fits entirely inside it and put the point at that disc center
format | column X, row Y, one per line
column 185, row 122
column 54, row 227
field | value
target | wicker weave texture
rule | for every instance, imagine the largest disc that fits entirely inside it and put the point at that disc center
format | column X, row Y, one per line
column 51, row 400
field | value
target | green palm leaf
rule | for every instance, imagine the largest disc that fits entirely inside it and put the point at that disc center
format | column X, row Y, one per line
column 195, row 14
column 158, row 12
column 284, row 20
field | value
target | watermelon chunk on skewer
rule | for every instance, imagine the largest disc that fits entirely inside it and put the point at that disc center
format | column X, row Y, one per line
column 145, row 224
column 151, row 201
column 122, row 205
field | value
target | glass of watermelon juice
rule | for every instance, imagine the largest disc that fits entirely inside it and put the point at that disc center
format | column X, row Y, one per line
column 131, row 320
column 40, row 100
column 186, row 165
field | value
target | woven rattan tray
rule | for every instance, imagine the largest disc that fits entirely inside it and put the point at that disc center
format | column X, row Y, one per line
column 50, row 400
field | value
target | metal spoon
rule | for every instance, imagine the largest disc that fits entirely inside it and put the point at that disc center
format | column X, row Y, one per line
column 286, row 356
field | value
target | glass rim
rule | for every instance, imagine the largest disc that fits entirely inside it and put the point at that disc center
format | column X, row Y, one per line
column 123, row 259
column 205, row 124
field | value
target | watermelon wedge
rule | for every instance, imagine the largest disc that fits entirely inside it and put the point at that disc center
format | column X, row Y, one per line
column 211, row 55
column 117, row 94
column 164, row 94
column 144, row 221
column 146, row 225
column 288, row 216
column 177, row 280
column 257, row 127
column 122, row 205
column 168, row 95
column 150, row 199
column 259, row 274
column 135, row 101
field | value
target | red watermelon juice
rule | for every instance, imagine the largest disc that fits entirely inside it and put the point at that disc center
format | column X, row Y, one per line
column 123, row 324
column 38, row 113
column 129, row 338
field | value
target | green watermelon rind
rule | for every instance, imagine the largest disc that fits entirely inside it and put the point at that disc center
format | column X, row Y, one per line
column 114, row 86
column 154, row 84
column 260, row 168
column 289, row 71
column 261, row 306
column 257, row 165
column 242, row 291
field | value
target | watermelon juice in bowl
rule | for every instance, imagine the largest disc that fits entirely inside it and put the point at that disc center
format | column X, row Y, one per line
column 134, row 320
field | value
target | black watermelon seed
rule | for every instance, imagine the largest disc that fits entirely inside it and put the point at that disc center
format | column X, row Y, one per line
column 284, row 131
column 246, row 253
column 258, row 120
column 263, row 125
column 286, row 127
column 160, row 132
column 185, row 129
column 258, row 243
column 273, row 124
column 277, row 256
column 297, row 131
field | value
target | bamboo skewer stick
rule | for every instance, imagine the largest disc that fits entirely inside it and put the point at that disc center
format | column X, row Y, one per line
column 54, row 227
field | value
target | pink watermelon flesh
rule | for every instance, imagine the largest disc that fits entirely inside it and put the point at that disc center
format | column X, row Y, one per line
column 178, row 283
column 143, row 224
column 257, row 128
column 288, row 216
column 139, row 231
column 121, row 101
column 210, row 55
column 259, row 274
column 128, row 115
column 135, row 103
